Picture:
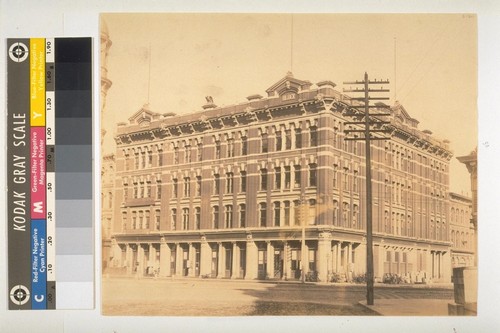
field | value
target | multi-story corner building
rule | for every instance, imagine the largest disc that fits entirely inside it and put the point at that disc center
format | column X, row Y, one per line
column 461, row 231
column 269, row 187
column 107, row 204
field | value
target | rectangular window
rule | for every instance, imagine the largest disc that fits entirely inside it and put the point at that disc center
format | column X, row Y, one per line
column 215, row 224
column 277, row 178
column 216, row 184
column 173, row 223
column 263, row 179
column 198, row 186
column 176, row 155
column 298, row 138
column 148, row 190
column 157, row 219
column 335, row 177
column 199, row 156
column 136, row 190
column 136, row 161
column 287, row 177
column 263, row 212
column 148, row 217
column 279, row 141
column 158, row 190
column 229, row 217
column 143, row 160
column 244, row 145
column 124, row 221
column 243, row 176
column 345, row 185
column 264, row 140
column 313, row 175
column 217, row 150
column 313, row 136
column 197, row 218
column 288, row 140
column 134, row 220
column 125, row 193
column 150, row 160
column 296, row 169
column 287, row 213
column 229, row 182
column 187, row 150
column 230, row 148
column 185, row 219
column 242, row 216
column 160, row 158
column 277, row 214
column 175, row 189
column 187, row 187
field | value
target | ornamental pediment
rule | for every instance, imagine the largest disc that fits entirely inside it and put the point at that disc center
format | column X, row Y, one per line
column 288, row 87
column 143, row 117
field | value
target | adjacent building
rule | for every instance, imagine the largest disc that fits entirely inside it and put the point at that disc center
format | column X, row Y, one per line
column 269, row 187
column 462, row 235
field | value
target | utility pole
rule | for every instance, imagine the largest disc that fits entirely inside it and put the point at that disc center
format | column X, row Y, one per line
column 372, row 124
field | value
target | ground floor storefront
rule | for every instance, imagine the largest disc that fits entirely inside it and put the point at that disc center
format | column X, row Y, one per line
column 312, row 254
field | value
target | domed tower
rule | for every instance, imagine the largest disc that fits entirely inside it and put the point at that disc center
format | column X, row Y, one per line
column 105, row 82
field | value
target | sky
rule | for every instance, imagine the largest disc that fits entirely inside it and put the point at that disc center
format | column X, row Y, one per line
column 172, row 61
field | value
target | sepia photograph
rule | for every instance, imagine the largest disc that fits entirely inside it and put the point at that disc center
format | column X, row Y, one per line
column 288, row 164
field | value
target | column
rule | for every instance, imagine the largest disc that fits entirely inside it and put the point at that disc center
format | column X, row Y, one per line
column 205, row 258
column 304, row 258
column 151, row 258
column 116, row 253
column 322, row 258
column 446, row 266
column 270, row 260
column 360, row 260
column 378, row 262
column 140, row 259
column 221, row 264
column 128, row 258
column 178, row 259
column 192, row 259
column 252, row 253
column 287, row 263
column 164, row 258
column 428, row 264
column 339, row 257
column 235, row 265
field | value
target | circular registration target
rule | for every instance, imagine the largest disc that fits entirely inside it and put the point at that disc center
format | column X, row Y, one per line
column 19, row 295
column 18, row 52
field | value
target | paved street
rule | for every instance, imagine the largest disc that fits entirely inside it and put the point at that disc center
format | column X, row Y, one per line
column 239, row 298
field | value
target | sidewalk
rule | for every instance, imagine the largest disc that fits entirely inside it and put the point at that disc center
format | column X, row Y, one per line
column 409, row 307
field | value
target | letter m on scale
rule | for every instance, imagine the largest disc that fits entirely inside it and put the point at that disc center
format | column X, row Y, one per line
column 38, row 207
